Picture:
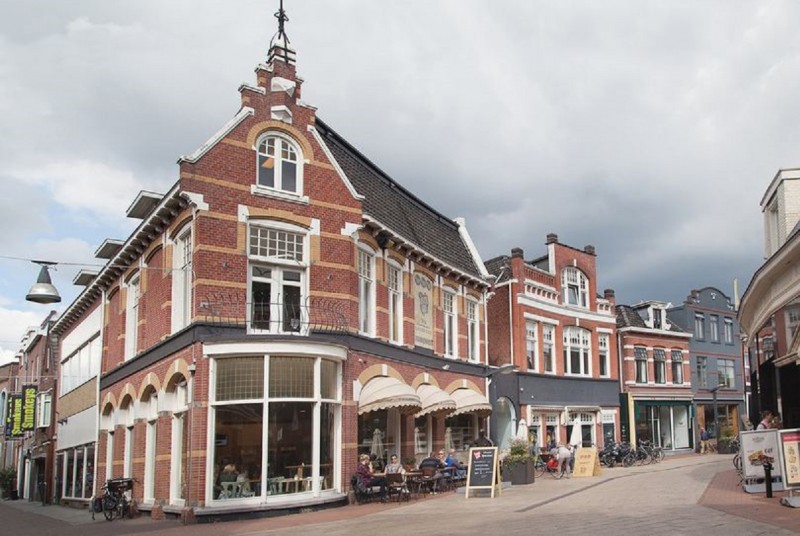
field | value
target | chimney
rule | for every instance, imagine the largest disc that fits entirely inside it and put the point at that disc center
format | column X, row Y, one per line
column 552, row 238
column 589, row 249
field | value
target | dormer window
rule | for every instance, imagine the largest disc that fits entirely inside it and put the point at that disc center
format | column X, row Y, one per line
column 658, row 318
column 575, row 287
column 280, row 165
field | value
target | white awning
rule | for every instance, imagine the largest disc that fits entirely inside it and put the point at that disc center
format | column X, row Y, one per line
column 469, row 401
column 385, row 392
column 434, row 400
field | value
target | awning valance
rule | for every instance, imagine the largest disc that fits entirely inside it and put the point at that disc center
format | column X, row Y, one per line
column 385, row 392
column 469, row 401
column 434, row 400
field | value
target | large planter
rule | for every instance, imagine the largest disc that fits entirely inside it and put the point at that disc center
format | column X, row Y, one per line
column 519, row 473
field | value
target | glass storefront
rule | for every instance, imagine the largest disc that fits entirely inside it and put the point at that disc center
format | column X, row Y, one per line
column 666, row 424
column 75, row 472
column 280, row 444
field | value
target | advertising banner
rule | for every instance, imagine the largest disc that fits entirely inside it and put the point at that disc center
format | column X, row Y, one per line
column 790, row 448
column 28, row 408
column 14, row 424
column 758, row 447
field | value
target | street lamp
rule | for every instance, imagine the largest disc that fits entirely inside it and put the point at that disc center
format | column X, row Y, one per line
column 43, row 290
column 716, row 423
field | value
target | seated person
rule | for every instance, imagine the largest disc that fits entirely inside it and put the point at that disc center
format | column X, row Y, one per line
column 433, row 464
column 367, row 479
column 452, row 461
column 394, row 466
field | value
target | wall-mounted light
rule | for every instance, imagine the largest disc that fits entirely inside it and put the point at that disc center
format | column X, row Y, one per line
column 43, row 290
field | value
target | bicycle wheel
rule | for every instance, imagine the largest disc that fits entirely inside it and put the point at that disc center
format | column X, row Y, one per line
column 109, row 507
column 659, row 454
column 737, row 462
column 628, row 460
column 539, row 468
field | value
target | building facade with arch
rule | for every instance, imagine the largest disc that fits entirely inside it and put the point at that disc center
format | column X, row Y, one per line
column 284, row 307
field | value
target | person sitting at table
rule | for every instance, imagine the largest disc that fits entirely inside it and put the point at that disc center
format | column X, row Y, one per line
column 394, row 466
column 431, row 465
column 453, row 461
column 367, row 479
column 228, row 473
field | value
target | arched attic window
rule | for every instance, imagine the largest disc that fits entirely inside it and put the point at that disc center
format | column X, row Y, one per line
column 280, row 164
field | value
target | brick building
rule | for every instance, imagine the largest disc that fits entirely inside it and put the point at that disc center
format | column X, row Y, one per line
column 560, row 335
column 655, row 377
column 284, row 307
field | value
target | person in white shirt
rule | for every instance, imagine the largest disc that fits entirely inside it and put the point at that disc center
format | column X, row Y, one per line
column 564, row 458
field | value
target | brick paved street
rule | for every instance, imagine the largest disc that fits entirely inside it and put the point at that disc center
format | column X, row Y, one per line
column 683, row 495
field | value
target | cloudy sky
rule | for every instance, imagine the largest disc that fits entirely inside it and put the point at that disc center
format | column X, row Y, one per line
column 648, row 129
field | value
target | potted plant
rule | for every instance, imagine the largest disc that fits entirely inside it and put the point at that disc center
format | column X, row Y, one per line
column 410, row 464
column 726, row 436
column 518, row 464
column 8, row 477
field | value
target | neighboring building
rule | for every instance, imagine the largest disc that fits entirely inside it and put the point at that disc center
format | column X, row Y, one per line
column 715, row 360
column 36, row 377
column 284, row 307
column 655, row 377
column 80, row 346
column 770, row 307
column 8, row 387
column 547, row 319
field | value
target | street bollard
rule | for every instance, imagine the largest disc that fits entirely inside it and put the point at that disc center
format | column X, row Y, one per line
column 768, row 478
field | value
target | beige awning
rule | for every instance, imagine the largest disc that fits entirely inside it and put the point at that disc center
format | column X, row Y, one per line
column 385, row 392
column 434, row 400
column 469, row 401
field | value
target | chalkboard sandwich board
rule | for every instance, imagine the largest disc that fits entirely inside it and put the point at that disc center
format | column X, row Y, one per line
column 484, row 470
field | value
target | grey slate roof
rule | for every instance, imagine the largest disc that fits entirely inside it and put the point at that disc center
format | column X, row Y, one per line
column 627, row 317
column 398, row 209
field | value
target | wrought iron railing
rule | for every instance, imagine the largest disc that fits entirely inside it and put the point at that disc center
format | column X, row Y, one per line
column 311, row 315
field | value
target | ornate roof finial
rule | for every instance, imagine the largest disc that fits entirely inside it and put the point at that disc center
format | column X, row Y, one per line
column 281, row 39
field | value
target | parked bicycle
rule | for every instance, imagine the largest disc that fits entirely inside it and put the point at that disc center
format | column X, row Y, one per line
column 548, row 464
column 737, row 458
column 113, row 502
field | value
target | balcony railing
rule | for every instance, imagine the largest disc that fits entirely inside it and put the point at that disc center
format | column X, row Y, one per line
column 311, row 315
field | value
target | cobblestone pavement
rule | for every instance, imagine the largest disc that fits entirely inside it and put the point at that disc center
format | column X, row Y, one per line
column 683, row 495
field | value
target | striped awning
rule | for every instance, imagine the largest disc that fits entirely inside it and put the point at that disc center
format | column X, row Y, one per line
column 434, row 400
column 469, row 401
column 386, row 392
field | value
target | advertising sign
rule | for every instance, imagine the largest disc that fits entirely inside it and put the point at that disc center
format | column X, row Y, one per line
column 484, row 470
column 790, row 448
column 587, row 463
column 423, row 314
column 14, row 424
column 28, row 408
column 758, row 447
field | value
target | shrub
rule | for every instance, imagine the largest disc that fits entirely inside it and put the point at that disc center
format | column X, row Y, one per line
column 518, row 452
column 7, row 478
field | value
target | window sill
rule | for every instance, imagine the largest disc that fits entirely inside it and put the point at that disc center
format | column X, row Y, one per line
column 255, row 189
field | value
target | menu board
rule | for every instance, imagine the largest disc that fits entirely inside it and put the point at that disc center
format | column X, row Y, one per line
column 484, row 469
column 758, row 447
column 587, row 463
column 790, row 448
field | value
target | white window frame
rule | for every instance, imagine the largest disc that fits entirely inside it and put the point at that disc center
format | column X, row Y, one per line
column 659, row 366
column 450, row 322
column 44, row 403
column 182, row 279
column 282, row 249
column 394, row 285
column 729, row 379
column 473, row 331
column 532, row 345
column 150, row 448
column 110, row 454
column 699, row 326
column 572, row 278
column 602, row 354
column 728, row 330
column 365, row 260
column 548, row 343
column 640, row 364
column 677, row 366
column 132, row 302
column 277, row 189
column 579, row 339
column 713, row 324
